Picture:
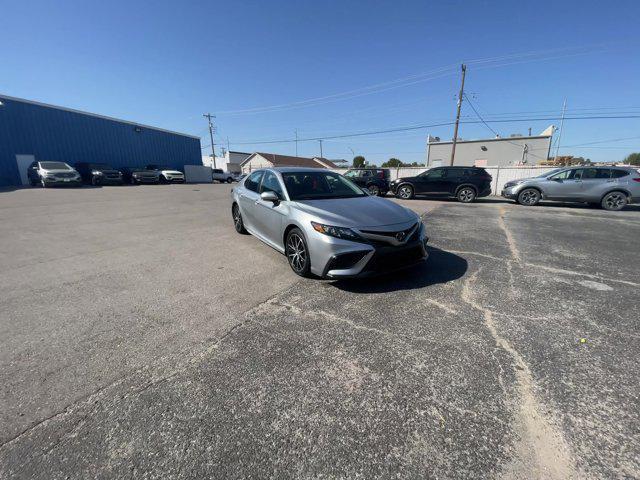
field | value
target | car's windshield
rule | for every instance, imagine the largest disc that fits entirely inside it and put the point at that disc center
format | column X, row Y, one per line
column 54, row 166
column 319, row 185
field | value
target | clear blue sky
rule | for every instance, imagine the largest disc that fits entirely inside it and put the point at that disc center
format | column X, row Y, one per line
column 165, row 63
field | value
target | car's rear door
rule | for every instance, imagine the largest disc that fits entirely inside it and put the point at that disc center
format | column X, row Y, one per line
column 595, row 182
column 269, row 216
column 249, row 196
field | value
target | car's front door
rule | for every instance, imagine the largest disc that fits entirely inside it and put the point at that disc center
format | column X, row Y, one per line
column 434, row 181
column 249, row 196
column 564, row 185
column 269, row 215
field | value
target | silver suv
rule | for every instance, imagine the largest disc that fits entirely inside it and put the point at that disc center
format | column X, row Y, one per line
column 611, row 187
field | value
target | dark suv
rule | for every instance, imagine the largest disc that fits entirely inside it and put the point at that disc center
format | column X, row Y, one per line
column 99, row 173
column 375, row 180
column 464, row 183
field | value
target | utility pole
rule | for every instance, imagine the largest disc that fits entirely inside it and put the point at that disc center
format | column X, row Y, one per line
column 228, row 149
column 296, row 142
column 208, row 116
column 320, row 148
column 455, row 130
column 529, row 131
column 564, row 108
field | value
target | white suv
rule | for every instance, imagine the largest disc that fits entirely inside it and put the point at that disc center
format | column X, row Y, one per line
column 222, row 176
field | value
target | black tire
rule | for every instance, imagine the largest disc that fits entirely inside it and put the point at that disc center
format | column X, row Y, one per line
column 297, row 253
column 237, row 220
column 95, row 181
column 133, row 181
column 466, row 195
column 529, row 197
column 614, row 201
column 373, row 190
column 229, row 180
column 32, row 182
column 405, row 192
column 163, row 179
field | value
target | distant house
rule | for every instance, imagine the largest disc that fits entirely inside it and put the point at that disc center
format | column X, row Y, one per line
column 492, row 152
column 262, row 160
column 229, row 163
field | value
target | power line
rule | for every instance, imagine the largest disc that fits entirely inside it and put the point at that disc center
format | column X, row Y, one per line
column 443, row 124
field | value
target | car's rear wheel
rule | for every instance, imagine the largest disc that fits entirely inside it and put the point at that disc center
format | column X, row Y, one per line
column 614, row 201
column 237, row 219
column 405, row 192
column 529, row 197
column 374, row 190
column 297, row 253
column 466, row 195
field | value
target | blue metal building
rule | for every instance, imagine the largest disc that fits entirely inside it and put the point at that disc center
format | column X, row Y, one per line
column 32, row 131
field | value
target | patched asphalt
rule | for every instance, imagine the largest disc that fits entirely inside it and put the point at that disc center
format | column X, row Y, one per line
column 175, row 349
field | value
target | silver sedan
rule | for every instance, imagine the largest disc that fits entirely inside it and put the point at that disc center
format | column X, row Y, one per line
column 325, row 224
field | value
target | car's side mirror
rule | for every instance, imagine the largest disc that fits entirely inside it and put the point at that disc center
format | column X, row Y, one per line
column 270, row 197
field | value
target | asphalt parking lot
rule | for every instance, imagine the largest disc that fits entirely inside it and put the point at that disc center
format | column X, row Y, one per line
column 141, row 337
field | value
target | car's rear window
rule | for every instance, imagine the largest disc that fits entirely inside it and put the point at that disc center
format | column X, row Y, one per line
column 619, row 173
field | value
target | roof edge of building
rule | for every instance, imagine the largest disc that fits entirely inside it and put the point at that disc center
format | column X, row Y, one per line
column 96, row 115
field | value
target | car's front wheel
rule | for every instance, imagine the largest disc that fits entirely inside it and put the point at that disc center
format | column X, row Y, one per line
column 374, row 190
column 466, row 195
column 405, row 192
column 229, row 180
column 297, row 253
column 614, row 201
column 529, row 197
column 237, row 219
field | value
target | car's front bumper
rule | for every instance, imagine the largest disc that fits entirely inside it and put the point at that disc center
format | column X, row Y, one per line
column 346, row 259
column 63, row 182
column 175, row 179
column 510, row 192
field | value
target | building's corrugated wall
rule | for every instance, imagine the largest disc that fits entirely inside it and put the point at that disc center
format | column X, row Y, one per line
column 51, row 133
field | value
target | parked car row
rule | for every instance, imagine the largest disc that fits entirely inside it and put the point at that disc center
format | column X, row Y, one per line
column 612, row 188
column 50, row 174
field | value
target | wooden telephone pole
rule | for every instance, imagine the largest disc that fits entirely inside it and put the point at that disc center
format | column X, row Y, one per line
column 455, row 129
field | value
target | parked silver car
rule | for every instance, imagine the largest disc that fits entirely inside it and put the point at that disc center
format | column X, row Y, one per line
column 611, row 187
column 325, row 224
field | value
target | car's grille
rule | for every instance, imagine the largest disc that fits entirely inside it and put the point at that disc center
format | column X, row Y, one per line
column 65, row 175
column 112, row 175
column 391, row 260
column 396, row 237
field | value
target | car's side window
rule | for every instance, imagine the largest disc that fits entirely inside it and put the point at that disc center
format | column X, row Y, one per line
column 365, row 173
column 351, row 174
column 252, row 182
column 564, row 175
column 436, row 173
column 270, row 183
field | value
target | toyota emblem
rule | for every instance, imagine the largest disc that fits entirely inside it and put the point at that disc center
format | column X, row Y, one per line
column 400, row 236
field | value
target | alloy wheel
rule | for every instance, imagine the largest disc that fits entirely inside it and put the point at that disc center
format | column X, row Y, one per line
column 296, row 253
column 405, row 192
column 374, row 190
column 466, row 195
column 237, row 219
column 614, row 201
column 529, row 197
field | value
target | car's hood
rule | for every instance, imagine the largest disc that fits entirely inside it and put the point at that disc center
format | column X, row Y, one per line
column 404, row 179
column 171, row 172
column 357, row 212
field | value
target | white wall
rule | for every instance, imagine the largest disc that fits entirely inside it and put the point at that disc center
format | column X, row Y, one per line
column 498, row 152
column 256, row 162
column 501, row 175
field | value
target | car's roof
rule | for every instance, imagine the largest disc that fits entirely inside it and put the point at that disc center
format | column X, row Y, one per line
column 294, row 169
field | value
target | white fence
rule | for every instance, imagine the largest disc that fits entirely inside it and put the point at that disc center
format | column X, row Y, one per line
column 501, row 175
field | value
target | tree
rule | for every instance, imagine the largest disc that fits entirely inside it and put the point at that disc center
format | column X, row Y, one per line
column 393, row 163
column 633, row 159
column 359, row 161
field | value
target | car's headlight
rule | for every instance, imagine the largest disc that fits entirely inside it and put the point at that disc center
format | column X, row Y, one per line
column 513, row 184
column 337, row 232
column 96, row 172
